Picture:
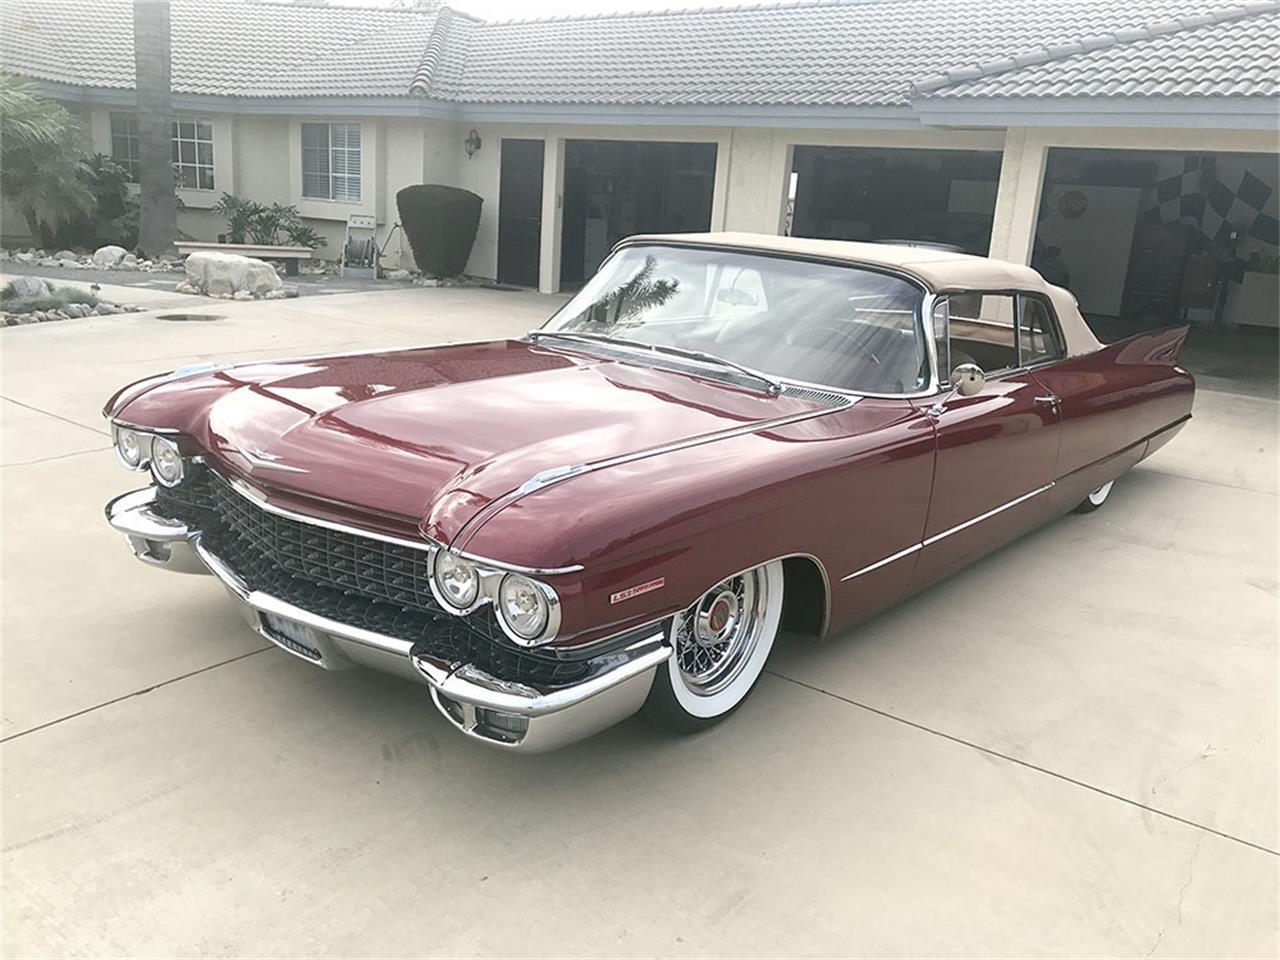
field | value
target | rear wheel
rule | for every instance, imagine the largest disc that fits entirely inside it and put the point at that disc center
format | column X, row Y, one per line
column 1096, row 499
column 721, row 645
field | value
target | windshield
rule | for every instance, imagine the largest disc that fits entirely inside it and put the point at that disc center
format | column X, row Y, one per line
column 846, row 327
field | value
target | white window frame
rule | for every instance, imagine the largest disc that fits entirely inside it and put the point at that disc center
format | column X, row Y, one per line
column 199, row 127
column 343, row 163
column 129, row 138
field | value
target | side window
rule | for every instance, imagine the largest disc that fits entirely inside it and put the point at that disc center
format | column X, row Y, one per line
column 1038, row 335
column 982, row 331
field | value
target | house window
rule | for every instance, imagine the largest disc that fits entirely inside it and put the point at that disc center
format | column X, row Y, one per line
column 124, row 143
column 193, row 153
column 331, row 161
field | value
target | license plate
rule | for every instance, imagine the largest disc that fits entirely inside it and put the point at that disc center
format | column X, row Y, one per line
column 292, row 635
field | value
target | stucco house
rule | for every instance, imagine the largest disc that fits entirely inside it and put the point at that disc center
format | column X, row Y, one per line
column 1128, row 145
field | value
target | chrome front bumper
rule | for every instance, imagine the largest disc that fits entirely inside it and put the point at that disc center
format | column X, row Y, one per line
column 499, row 712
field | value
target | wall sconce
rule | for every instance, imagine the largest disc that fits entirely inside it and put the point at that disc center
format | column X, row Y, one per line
column 473, row 143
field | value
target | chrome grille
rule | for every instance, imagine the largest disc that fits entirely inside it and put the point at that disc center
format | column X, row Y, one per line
column 357, row 580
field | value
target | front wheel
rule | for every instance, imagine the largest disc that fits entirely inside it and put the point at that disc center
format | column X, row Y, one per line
column 720, row 645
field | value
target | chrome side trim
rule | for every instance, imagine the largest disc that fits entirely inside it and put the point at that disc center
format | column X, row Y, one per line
column 908, row 551
column 885, row 562
column 986, row 516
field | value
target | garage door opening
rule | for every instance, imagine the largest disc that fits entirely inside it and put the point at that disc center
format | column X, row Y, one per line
column 616, row 188
column 946, row 197
column 1147, row 239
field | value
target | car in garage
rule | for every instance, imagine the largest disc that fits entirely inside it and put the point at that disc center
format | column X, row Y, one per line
column 719, row 439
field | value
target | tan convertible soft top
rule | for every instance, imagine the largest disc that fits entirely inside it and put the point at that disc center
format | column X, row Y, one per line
column 939, row 270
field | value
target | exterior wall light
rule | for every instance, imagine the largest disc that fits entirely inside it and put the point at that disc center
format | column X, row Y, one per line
column 473, row 143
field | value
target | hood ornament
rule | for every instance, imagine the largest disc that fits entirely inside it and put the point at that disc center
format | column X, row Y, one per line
column 269, row 461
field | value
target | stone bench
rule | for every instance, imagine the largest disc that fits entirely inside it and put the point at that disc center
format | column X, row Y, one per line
column 263, row 251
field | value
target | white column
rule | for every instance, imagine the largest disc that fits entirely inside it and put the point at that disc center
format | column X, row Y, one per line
column 552, row 214
column 757, row 175
column 1013, row 228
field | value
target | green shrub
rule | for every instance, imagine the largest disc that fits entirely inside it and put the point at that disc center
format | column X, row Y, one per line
column 441, row 224
column 251, row 222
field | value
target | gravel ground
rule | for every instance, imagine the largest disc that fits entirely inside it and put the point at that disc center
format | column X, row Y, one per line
column 307, row 285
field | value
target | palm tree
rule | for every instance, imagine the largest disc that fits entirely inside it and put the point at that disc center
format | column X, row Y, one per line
column 43, row 168
column 157, row 214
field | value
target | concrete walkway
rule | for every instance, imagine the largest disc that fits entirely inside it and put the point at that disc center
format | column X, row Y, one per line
column 1068, row 749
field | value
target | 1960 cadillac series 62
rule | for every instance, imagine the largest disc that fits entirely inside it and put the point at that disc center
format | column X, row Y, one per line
column 720, row 437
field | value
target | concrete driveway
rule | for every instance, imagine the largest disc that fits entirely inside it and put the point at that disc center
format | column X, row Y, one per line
column 1067, row 749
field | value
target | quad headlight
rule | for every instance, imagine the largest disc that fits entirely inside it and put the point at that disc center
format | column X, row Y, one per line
column 527, row 611
column 456, row 580
column 166, row 462
column 523, row 607
column 132, row 447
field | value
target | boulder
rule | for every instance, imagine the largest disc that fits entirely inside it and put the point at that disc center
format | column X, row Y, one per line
column 29, row 287
column 106, row 309
column 65, row 255
column 218, row 274
column 129, row 261
column 109, row 256
column 25, row 257
column 397, row 275
column 185, row 287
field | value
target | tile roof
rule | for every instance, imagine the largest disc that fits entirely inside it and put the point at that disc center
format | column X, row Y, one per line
column 818, row 53
column 815, row 53
column 1233, row 54
column 231, row 48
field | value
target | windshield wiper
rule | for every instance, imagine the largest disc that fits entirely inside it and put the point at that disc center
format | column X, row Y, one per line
column 774, row 385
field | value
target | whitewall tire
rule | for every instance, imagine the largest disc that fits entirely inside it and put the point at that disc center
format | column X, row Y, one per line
column 1096, row 499
column 720, row 645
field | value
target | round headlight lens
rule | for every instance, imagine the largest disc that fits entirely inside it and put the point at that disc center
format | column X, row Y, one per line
column 456, row 579
column 523, row 606
column 130, row 446
column 166, row 462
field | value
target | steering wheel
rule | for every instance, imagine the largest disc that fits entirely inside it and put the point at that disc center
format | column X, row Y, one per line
column 826, row 330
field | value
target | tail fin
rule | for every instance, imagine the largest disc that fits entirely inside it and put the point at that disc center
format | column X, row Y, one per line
column 1158, row 347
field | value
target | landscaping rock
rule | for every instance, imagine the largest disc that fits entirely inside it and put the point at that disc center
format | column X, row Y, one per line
column 397, row 275
column 27, row 287
column 25, row 257
column 185, row 287
column 129, row 261
column 109, row 256
column 66, row 255
column 242, row 295
column 105, row 309
column 218, row 274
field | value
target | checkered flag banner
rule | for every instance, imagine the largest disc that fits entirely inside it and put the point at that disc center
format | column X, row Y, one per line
column 1215, row 206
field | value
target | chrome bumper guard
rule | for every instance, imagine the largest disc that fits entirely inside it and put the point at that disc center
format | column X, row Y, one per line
column 498, row 712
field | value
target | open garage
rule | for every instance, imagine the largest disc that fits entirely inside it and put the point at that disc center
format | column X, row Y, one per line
column 855, row 193
column 1149, row 238
column 616, row 188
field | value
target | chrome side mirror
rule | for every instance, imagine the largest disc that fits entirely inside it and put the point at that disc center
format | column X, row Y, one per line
column 967, row 379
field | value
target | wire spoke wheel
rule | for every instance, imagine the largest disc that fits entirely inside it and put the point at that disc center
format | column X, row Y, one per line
column 717, row 635
column 719, row 647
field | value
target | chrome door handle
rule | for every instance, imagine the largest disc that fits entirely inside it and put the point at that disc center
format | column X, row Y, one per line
column 1049, row 401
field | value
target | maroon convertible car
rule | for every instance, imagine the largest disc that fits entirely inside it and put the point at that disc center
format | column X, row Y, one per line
column 721, row 437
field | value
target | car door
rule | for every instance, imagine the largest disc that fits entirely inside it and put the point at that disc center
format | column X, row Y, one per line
column 997, row 450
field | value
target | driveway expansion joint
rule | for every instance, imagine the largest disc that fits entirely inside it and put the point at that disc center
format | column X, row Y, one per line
column 135, row 693
column 1024, row 763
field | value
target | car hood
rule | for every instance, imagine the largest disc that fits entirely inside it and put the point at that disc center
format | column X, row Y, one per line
column 433, row 436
